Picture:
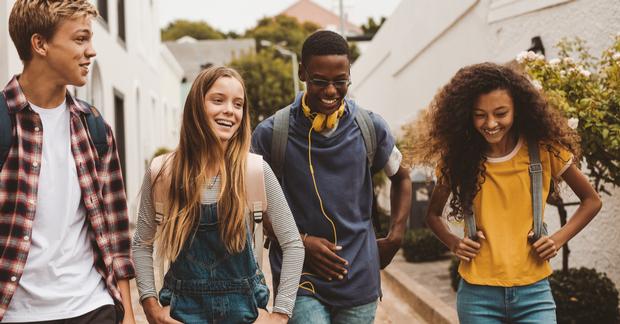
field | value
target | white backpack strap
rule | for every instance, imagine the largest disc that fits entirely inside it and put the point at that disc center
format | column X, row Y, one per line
column 256, row 201
column 159, row 193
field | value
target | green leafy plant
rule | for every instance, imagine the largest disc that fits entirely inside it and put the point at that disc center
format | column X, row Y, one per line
column 584, row 296
column 421, row 245
column 587, row 91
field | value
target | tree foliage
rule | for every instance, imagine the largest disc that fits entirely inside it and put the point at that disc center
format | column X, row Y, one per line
column 370, row 28
column 586, row 90
column 283, row 30
column 196, row 29
column 268, row 80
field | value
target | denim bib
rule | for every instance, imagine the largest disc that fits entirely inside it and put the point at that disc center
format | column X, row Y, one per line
column 206, row 284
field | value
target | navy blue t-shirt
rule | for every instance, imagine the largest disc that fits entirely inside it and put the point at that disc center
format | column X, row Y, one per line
column 344, row 182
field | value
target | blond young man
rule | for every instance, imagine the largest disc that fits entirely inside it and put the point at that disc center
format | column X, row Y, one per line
column 64, row 231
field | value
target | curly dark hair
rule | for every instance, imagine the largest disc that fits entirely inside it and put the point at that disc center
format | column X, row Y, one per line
column 323, row 42
column 458, row 148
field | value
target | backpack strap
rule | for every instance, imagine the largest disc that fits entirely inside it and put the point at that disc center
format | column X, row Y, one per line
column 364, row 122
column 6, row 130
column 536, row 184
column 96, row 128
column 256, row 201
column 279, row 140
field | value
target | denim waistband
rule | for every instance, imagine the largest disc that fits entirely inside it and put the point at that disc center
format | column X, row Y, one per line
column 212, row 286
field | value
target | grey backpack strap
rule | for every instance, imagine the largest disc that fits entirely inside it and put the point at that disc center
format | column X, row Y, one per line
column 279, row 140
column 536, row 180
column 470, row 221
column 6, row 130
column 364, row 122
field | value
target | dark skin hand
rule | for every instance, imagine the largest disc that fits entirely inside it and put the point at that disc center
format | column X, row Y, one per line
column 400, row 202
column 321, row 258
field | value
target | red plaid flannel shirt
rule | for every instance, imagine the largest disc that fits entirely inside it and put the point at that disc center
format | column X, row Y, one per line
column 102, row 188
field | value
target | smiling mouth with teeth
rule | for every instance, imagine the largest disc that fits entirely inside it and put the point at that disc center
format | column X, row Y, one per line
column 492, row 132
column 225, row 123
column 329, row 101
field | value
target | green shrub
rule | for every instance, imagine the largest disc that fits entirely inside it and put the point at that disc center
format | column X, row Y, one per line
column 160, row 151
column 584, row 296
column 455, row 277
column 421, row 245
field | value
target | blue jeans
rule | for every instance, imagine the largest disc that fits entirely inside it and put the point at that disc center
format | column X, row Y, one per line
column 206, row 284
column 309, row 310
column 491, row 304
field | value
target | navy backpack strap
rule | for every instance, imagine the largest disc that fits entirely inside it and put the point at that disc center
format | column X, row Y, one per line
column 96, row 128
column 6, row 130
column 279, row 140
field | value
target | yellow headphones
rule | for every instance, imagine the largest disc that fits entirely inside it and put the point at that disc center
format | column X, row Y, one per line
column 321, row 121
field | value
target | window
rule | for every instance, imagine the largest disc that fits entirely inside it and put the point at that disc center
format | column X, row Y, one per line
column 102, row 7
column 121, row 20
column 119, row 129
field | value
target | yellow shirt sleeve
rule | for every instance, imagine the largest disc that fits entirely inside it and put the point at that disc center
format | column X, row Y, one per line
column 559, row 158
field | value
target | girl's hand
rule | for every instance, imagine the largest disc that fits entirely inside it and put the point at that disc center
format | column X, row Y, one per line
column 466, row 249
column 156, row 314
column 266, row 317
column 545, row 247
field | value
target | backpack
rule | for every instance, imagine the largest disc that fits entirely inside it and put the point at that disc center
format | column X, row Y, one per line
column 95, row 126
column 255, row 195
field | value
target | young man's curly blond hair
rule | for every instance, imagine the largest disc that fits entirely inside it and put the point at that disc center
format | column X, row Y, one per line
column 29, row 17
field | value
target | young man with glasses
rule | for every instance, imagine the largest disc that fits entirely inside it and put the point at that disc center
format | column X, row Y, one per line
column 327, row 179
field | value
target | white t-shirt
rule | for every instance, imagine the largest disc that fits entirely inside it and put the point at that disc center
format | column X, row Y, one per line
column 59, row 279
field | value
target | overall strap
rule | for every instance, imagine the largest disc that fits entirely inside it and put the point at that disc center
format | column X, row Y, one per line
column 256, row 202
column 279, row 140
column 536, row 180
column 6, row 130
column 364, row 122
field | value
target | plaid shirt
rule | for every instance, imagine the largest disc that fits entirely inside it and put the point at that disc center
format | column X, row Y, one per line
column 103, row 196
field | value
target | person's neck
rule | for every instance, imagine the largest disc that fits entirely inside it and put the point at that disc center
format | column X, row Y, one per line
column 504, row 147
column 40, row 89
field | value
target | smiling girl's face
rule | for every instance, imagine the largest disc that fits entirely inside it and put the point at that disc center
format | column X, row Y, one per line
column 493, row 116
column 224, row 107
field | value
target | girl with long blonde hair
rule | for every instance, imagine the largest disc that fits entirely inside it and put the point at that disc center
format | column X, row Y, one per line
column 204, row 232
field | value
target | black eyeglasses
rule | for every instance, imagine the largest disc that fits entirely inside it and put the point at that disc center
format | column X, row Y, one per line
column 340, row 84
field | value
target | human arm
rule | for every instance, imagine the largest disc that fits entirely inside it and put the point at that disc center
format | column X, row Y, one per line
column 115, row 204
column 287, row 234
column 463, row 248
column 400, row 205
column 142, row 253
column 547, row 246
column 123, row 286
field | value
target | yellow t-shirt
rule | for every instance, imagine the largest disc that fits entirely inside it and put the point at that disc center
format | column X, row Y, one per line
column 503, row 211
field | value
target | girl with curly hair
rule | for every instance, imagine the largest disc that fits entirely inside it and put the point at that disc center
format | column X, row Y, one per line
column 482, row 124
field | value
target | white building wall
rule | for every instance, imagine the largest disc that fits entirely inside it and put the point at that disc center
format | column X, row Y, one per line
column 136, row 70
column 422, row 45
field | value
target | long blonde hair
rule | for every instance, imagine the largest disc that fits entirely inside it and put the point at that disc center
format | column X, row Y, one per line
column 199, row 151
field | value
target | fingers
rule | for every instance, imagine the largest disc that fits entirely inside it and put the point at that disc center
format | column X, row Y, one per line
column 467, row 248
column 481, row 235
column 322, row 270
column 545, row 248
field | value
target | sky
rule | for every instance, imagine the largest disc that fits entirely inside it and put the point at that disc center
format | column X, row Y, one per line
column 239, row 15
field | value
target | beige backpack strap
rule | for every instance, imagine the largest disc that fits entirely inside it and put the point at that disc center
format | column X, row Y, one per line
column 256, row 201
column 159, row 193
column 159, row 186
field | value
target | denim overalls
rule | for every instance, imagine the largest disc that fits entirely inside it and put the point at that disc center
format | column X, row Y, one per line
column 206, row 284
